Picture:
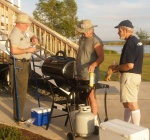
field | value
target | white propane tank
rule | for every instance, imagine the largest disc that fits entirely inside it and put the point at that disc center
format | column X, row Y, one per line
column 84, row 121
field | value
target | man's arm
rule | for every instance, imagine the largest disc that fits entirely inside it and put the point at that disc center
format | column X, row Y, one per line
column 122, row 67
column 125, row 67
column 15, row 50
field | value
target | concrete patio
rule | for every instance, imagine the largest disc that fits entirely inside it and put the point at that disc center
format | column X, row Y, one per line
column 57, row 130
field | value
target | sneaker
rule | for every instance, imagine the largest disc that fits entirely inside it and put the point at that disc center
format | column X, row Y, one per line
column 96, row 130
column 22, row 120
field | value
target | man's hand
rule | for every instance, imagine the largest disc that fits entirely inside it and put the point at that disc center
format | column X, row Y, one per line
column 31, row 50
column 111, row 69
column 35, row 40
column 91, row 68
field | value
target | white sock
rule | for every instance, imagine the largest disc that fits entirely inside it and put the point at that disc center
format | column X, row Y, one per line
column 136, row 116
column 127, row 115
column 96, row 122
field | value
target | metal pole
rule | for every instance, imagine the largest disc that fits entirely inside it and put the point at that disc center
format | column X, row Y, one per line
column 15, row 80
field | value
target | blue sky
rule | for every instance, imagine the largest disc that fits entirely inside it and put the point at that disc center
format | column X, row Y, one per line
column 107, row 14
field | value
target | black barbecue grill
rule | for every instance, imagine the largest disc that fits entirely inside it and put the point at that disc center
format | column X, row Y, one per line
column 62, row 69
column 61, row 66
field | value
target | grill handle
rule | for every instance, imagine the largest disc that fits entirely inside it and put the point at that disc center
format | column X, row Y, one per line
column 63, row 54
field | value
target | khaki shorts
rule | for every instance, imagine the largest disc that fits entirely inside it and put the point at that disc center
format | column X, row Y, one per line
column 129, row 87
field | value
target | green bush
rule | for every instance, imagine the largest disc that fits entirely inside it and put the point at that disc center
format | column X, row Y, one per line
column 11, row 133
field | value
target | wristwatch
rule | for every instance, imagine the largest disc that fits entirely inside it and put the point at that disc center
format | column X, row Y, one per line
column 116, row 67
column 27, row 52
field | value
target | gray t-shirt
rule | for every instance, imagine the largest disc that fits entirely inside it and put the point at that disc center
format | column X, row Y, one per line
column 21, row 40
column 86, row 56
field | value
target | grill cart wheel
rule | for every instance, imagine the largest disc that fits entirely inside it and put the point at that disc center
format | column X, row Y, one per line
column 69, row 136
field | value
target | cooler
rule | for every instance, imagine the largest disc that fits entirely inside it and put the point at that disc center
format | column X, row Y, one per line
column 41, row 115
column 120, row 130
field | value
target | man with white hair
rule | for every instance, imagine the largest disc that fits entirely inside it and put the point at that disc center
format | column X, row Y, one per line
column 130, row 67
column 21, row 48
column 90, row 55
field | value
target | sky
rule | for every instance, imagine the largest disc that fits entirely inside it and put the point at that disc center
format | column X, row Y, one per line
column 107, row 14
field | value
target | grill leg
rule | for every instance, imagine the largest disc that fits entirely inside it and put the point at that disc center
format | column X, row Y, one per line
column 70, row 120
column 66, row 120
column 99, row 118
column 49, row 118
column 105, row 104
column 52, row 107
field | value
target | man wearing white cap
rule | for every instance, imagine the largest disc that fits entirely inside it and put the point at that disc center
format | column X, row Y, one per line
column 130, row 67
column 21, row 49
column 90, row 56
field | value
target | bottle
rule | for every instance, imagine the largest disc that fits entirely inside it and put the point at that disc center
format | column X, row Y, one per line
column 91, row 79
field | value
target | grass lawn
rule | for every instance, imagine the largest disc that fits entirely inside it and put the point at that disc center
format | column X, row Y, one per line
column 110, row 58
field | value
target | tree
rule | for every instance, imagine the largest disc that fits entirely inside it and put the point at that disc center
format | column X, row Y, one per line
column 143, row 36
column 71, row 7
column 59, row 15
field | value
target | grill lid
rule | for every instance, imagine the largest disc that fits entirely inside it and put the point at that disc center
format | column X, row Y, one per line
column 61, row 66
